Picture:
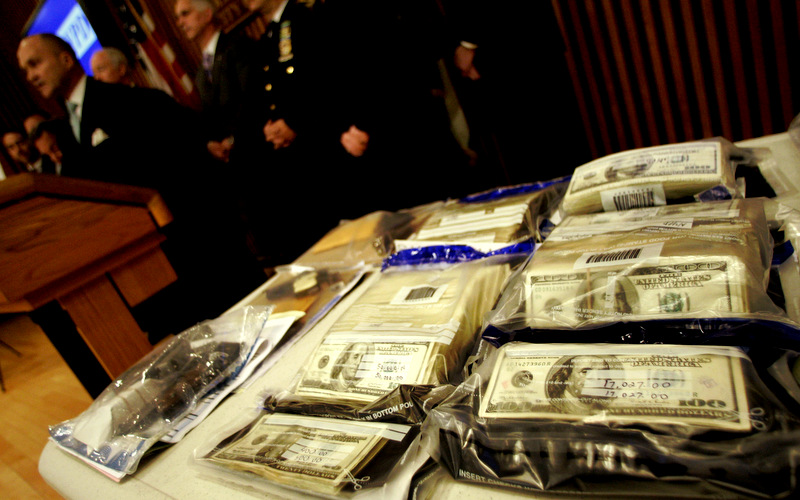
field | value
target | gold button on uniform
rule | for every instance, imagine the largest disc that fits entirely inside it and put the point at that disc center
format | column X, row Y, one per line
column 272, row 107
column 289, row 70
column 266, row 68
column 268, row 87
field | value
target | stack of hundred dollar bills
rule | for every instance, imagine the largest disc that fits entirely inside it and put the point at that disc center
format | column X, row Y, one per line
column 654, row 176
column 540, row 415
column 485, row 225
column 698, row 260
column 308, row 453
column 412, row 326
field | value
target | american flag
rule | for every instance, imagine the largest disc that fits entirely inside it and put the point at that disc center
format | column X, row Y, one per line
column 164, row 71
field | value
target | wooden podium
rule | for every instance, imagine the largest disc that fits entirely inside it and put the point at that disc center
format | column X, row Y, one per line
column 94, row 247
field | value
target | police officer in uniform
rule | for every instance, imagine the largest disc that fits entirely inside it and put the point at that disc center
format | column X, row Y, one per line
column 284, row 123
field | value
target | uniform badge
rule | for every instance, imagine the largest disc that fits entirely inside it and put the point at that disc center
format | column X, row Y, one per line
column 285, row 43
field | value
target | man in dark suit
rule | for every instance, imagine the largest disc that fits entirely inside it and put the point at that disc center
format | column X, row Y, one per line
column 54, row 140
column 515, row 88
column 385, row 79
column 221, row 80
column 110, row 65
column 141, row 136
column 127, row 135
column 221, row 83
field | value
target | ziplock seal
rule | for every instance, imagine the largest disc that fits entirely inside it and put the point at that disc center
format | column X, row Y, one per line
column 505, row 192
column 716, row 193
column 723, row 331
column 781, row 252
column 450, row 254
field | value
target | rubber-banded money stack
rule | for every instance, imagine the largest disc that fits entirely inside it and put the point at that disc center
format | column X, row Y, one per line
column 654, row 176
column 310, row 453
column 699, row 260
column 412, row 326
column 543, row 415
column 489, row 221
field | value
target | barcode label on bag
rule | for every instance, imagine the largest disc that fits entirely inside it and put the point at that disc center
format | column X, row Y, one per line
column 648, row 195
column 620, row 256
column 425, row 294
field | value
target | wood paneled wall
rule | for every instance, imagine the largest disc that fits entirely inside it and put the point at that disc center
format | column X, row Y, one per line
column 648, row 72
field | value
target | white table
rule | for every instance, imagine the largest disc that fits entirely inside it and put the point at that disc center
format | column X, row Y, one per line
column 172, row 473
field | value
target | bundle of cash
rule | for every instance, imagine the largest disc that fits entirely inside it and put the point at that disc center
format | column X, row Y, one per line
column 690, row 261
column 579, row 418
column 651, row 176
column 410, row 327
column 672, row 286
column 701, row 386
column 312, row 453
column 484, row 225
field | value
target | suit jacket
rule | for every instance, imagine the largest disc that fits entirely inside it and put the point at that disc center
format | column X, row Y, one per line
column 222, row 96
column 73, row 163
column 139, row 136
column 512, row 37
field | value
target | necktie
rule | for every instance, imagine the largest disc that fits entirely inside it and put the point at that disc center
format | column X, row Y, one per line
column 272, row 29
column 208, row 63
column 74, row 120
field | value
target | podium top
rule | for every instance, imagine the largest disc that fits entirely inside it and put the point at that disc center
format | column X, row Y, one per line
column 20, row 186
column 59, row 234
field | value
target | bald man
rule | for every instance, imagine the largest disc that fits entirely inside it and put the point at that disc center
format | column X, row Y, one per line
column 127, row 135
column 110, row 65
column 221, row 79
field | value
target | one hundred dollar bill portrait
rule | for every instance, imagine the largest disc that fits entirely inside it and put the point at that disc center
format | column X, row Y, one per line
column 350, row 363
column 566, row 387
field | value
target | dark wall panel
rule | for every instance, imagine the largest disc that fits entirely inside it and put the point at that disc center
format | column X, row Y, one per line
column 658, row 71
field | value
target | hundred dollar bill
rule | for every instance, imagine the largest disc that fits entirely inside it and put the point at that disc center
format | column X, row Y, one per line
column 602, row 288
column 315, row 453
column 648, row 177
column 364, row 367
column 682, row 385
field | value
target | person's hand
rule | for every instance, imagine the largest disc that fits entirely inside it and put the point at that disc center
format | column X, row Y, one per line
column 355, row 141
column 279, row 133
column 464, row 59
column 221, row 150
